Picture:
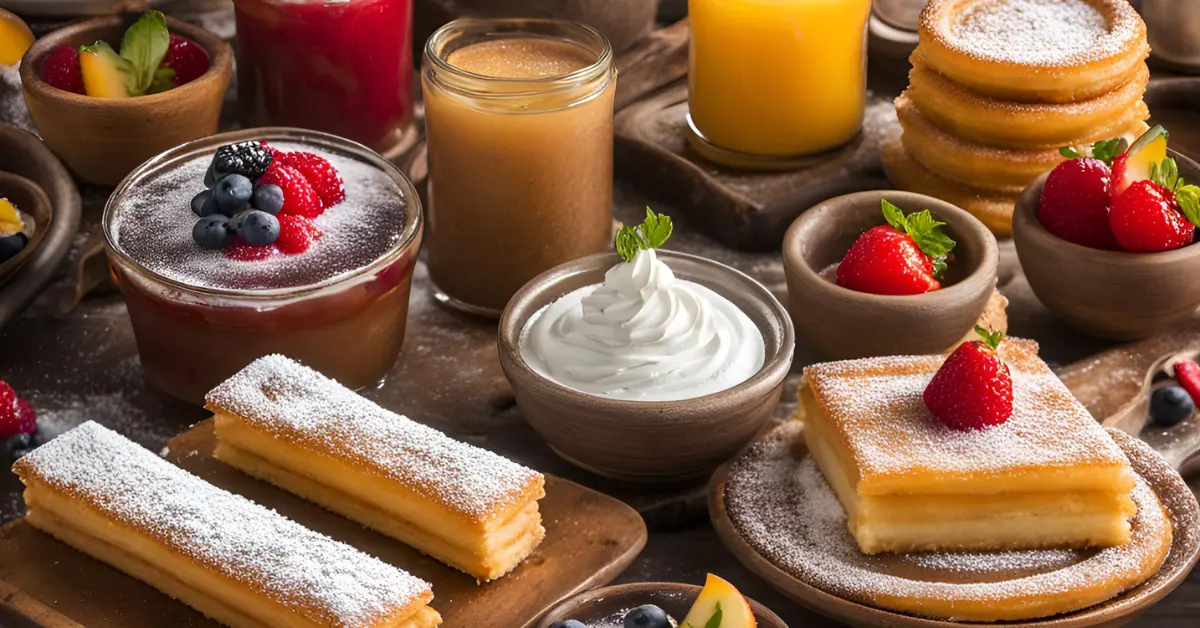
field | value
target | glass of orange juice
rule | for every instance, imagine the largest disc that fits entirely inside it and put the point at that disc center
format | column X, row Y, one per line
column 774, row 82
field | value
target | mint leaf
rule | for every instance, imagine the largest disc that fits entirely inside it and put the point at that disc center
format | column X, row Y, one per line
column 651, row 234
column 164, row 79
column 1070, row 152
column 894, row 216
column 1188, row 197
column 715, row 620
column 990, row 338
column 926, row 232
column 145, row 46
column 1166, row 174
column 1107, row 150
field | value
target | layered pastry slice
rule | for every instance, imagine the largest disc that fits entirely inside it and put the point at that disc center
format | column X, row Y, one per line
column 229, row 558
column 1047, row 477
column 291, row 426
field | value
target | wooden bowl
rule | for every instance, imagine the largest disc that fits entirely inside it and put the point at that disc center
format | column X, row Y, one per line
column 607, row 605
column 103, row 139
column 845, row 324
column 1174, row 494
column 648, row 441
column 1108, row 294
column 35, row 206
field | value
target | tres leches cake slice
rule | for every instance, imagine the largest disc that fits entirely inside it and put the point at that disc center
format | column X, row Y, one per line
column 289, row 425
column 227, row 557
column 1039, row 473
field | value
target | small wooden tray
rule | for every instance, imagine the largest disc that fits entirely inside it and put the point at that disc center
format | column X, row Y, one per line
column 590, row 538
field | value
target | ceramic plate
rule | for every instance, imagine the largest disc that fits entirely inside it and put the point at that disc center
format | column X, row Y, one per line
column 606, row 607
column 813, row 529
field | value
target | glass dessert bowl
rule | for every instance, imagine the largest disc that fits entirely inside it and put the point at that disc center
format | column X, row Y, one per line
column 338, row 304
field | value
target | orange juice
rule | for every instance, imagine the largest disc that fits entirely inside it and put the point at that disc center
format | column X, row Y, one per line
column 777, row 78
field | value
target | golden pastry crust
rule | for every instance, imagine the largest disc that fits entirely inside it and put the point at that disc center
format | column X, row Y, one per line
column 1026, row 126
column 1053, row 51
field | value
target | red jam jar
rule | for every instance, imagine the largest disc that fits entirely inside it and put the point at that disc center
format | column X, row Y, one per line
column 339, row 66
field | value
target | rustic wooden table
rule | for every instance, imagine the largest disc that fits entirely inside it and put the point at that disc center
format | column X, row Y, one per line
column 84, row 365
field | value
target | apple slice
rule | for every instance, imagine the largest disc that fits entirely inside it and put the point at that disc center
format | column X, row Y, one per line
column 105, row 73
column 1134, row 164
column 719, row 605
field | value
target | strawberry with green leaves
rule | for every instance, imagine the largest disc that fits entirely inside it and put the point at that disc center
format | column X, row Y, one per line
column 973, row 389
column 1156, row 214
column 905, row 256
column 1074, row 202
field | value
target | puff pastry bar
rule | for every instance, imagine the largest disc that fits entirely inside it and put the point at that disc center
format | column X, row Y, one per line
column 293, row 427
column 1048, row 477
column 229, row 558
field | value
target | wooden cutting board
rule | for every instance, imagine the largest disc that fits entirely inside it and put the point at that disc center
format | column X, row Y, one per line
column 590, row 539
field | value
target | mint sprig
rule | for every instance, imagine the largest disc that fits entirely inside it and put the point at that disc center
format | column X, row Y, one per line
column 1186, row 194
column 925, row 230
column 651, row 234
column 144, row 47
column 990, row 338
column 1104, row 150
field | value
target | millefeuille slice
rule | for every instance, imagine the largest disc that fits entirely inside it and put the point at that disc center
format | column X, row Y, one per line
column 291, row 426
column 229, row 558
column 1047, row 477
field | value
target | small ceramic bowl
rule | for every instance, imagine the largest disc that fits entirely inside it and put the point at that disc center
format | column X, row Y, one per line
column 102, row 139
column 1108, row 294
column 648, row 441
column 845, row 324
column 32, row 202
column 606, row 606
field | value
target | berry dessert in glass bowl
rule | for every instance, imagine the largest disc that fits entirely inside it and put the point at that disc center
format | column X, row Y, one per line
column 264, row 241
column 1105, row 239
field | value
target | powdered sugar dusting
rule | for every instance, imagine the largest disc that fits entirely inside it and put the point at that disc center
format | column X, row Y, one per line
column 784, row 508
column 302, row 406
column 152, row 224
column 1041, row 32
column 877, row 405
column 325, row 581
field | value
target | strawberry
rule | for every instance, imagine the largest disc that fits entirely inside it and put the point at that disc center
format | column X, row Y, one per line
column 1074, row 203
column 1147, row 151
column 187, row 58
column 321, row 174
column 973, row 388
column 298, row 195
column 296, row 234
column 1187, row 373
column 61, row 69
column 903, row 257
column 239, row 250
column 1156, row 214
column 16, row 414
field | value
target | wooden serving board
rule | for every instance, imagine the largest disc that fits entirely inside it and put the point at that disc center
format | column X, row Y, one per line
column 590, row 539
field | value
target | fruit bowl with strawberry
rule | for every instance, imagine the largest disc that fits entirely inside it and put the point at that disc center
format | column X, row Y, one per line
column 1106, row 238
column 109, row 93
column 888, row 273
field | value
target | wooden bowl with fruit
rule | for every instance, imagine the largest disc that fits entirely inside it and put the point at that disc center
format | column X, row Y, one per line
column 662, row 605
column 25, row 213
column 1106, row 238
column 109, row 93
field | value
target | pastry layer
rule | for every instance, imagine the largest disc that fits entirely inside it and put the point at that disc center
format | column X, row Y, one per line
column 992, row 208
column 875, row 419
column 218, row 552
column 1024, row 126
column 1054, row 51
column 466, row 506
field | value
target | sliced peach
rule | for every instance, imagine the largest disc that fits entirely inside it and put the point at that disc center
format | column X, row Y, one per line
column 104, row 71
column 719, row 596
column 1134, row 164
column 15, row 38
column 10, row 218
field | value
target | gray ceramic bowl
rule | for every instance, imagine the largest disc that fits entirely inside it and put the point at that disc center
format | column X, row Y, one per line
column 607, row 605
column 1109, row 294
column 845, row 324
column 648, row 441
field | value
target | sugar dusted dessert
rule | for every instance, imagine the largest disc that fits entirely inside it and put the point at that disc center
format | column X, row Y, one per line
column 467, row 507
column 227, row 557
column 1029, row 470
column 239, row 246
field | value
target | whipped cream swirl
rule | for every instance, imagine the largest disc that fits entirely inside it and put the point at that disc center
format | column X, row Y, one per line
column 643, row 335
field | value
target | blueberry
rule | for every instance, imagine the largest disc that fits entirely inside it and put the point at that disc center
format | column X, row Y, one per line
column 19, row 445
column 258, row 228
column 11, row 245
column 647, row 616
column 1170, row 405
column 233, row 194
column 569, row 623
column 267, row 198
column 212, row 232
column 203, row 204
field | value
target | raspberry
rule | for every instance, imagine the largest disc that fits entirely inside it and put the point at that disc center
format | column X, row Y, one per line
column 16, row 415
column 276, row 154
column 320, row 174
column 61, row 69
column 240, row 251
column 298, row 195
column 188, row 59
column 296, row 234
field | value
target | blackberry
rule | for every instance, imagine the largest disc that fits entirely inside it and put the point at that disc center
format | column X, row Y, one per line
column 249, row 159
